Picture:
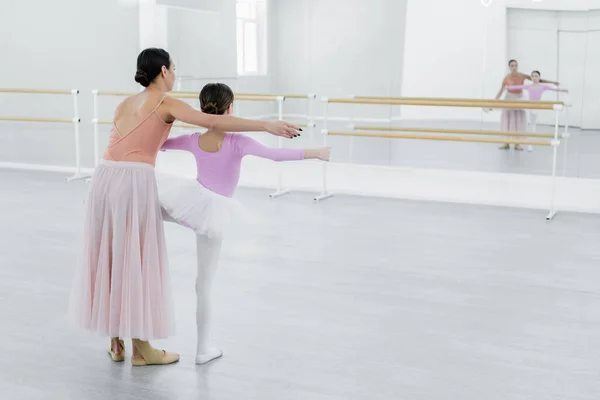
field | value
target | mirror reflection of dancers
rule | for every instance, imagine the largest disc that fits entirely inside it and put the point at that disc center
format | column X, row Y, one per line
column 205, row 204
column 514, row 120
column 536, row 91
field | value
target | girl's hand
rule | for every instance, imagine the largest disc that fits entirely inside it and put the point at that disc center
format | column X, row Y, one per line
column 324, row 153
column 321, row 153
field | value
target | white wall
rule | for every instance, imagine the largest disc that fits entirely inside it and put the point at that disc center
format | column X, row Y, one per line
column 203, row 45
column 447, row 43
column 334, row 49
column 60, row 44
column 563, row 45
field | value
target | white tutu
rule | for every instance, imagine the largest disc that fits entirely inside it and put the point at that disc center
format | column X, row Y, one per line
column 192, row 205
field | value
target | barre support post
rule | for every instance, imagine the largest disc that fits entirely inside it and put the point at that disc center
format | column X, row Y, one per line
column 280, row 191
column 555, row 144
column 76, row 121
column 324, row 193
column 566, row 135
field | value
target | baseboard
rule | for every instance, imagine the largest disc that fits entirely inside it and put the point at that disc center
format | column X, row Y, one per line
column 467, row 187
column 496, row 189
column 45, row 168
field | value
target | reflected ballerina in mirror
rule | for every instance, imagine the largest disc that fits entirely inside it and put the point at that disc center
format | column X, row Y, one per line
column 205, row 204
column 535, row 91
column 514, row 120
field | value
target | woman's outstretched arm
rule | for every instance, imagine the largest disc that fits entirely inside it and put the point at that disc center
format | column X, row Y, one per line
column 182, row 111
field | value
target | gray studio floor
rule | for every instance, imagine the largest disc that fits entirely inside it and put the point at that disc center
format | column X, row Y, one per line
column 351, row 298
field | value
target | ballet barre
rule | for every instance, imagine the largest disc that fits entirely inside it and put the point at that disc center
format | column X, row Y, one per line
column 453, row 131
column 440, row 137
column 75, row 120
column 35, row 91
column 522, row 105
column 192, row 95
column 175, row 125
column 456, row 99
column 517, row 138
column 287, row 96
column 34, row 119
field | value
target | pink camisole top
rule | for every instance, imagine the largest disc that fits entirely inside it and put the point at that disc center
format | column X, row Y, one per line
column 142, row 143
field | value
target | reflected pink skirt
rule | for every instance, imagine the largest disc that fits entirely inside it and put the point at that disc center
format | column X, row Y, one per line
column 513, row 120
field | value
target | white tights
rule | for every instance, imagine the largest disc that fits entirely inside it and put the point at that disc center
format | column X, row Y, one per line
column 532, row 125
column 208, row 251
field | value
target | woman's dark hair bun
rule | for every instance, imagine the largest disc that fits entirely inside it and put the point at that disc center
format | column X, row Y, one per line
column 149, row 65
column 210, row 108
column 142, row 78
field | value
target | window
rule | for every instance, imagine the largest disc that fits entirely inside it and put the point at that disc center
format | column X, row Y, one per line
column 251, row 37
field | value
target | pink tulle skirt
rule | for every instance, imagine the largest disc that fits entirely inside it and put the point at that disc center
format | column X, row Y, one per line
column 122, row 286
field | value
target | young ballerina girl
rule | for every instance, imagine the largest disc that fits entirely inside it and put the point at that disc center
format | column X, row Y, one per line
column 514, row 120
column 536, row 91
column 205, row 204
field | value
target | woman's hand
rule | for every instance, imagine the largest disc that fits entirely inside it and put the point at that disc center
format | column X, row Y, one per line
column 280, row 128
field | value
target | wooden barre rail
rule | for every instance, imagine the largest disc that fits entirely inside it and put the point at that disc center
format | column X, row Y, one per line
column 191, row 95
column 34, row 119
column 176, row 125
column 448, row 103
column 287, row 96
column 452, row 99
column 269, row 95
column 37, row 91
column 454, row 131
column 440, row 137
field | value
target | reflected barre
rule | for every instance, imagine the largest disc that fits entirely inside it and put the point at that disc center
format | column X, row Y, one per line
column 456, row 99
column 75, row 120
column 517, row 138
column 522, row 105
column 454, row 131
column 442, row 137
